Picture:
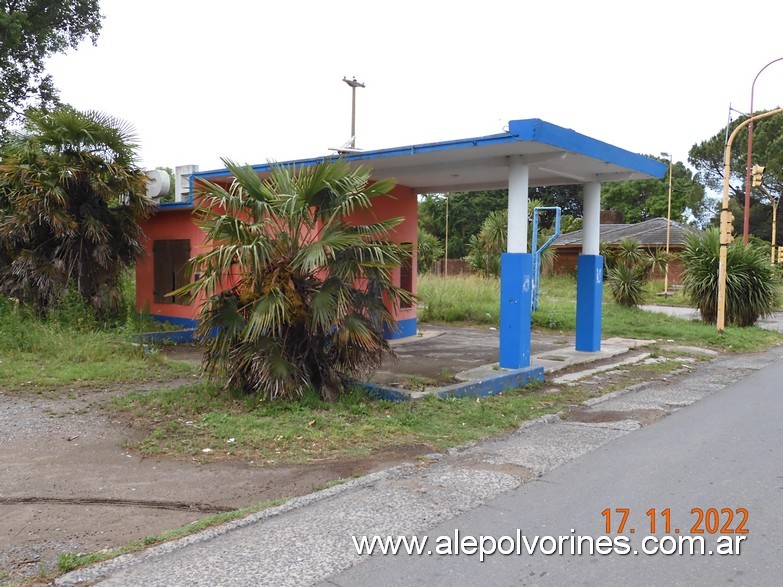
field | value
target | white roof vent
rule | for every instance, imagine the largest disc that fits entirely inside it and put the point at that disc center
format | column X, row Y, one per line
column 158, row 183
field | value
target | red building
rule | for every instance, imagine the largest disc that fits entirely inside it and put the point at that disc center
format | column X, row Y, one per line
column 173, row 238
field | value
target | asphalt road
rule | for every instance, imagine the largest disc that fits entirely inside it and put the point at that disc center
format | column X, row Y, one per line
column 723, row 452
column 714, row 441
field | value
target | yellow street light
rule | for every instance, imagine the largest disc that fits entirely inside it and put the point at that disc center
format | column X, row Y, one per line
column 726, row 217
column 668, row 227
column 446, row 261
column 758, row 173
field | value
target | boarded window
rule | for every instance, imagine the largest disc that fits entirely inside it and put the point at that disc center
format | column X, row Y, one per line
column 170, row 258
column 406, row 274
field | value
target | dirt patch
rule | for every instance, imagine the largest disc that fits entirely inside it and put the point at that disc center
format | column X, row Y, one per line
column 70, row 485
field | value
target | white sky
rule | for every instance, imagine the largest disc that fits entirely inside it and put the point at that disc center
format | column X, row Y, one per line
column 258, row 80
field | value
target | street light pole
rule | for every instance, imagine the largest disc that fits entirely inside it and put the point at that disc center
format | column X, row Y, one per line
column 668, row 227
column 353, row 84
column 774, row 219
column 746, row 214
column 446, row 260
column 725, row 217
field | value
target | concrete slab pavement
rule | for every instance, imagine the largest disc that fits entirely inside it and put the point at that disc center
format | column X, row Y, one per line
column 444, row 360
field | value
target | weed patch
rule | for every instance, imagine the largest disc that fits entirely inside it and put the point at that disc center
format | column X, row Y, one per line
column 202, row 421
column 45, row 353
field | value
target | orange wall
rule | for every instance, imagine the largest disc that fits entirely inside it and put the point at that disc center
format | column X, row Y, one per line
column 165, row 224
column 178, row 224
column 400, row 202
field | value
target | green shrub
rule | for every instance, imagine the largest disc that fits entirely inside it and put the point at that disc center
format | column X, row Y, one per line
column 629, row 267
column 751, row 287
column 626, row 284
column 430, row 250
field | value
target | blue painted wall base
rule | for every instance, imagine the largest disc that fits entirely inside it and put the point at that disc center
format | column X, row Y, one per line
column 164, row 336
column 176, row 321
column 405, row 328
column 503, row 381
column 589, row 295
column 516, row 280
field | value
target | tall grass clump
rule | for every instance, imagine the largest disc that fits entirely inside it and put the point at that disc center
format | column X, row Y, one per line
column 459, row 298
column 751, row 284
column 70, row 345
column 629, row 268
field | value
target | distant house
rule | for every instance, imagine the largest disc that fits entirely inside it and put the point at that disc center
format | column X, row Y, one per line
column 651, row 235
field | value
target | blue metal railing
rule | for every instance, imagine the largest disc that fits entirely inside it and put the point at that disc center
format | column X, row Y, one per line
column 538, row 250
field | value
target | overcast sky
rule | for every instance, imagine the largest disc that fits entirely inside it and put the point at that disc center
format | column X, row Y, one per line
column 252, row 80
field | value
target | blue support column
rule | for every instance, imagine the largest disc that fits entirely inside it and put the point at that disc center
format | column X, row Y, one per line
column 516, row 278
column 589, row 292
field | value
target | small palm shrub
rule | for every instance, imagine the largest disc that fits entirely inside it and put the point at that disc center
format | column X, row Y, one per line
column 626, row 283
column 750, row 279
column 629, row 267
column 484, row 249
column 430, row 251
column 311, row 292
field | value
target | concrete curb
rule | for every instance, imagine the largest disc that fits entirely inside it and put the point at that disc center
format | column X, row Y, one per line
column 102, row 569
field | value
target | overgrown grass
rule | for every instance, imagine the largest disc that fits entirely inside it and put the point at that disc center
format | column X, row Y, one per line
column 69, row 561
column 52, row 352
column 187, row 420
column 654, row 294
column 457, row 299
column 636, row 323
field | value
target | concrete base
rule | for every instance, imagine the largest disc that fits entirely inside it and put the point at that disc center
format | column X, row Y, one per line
column 491, row 379
column 501, row 380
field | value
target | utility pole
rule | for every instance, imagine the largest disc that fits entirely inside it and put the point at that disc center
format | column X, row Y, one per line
column 353, row 84
column 668, row 227
column 746, row 213
column 726, row 217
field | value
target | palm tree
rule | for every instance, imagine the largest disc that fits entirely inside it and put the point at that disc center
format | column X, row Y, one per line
column 71, row 199
column 484, row 249
column 751, row 283
column 430, row 250
column 630, row 266
column 294, row 293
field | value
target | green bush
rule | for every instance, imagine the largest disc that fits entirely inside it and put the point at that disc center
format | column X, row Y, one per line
column 629, row 267
column 430, row 250
column 626, row 284
column 750, row 279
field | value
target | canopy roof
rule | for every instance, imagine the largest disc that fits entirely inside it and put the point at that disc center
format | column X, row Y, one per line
column 554, row 155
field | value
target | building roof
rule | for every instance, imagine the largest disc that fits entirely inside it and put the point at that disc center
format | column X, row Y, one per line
column 648, row 233
column 555, row 156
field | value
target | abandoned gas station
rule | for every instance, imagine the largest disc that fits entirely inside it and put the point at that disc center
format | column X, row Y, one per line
column 530, row 153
